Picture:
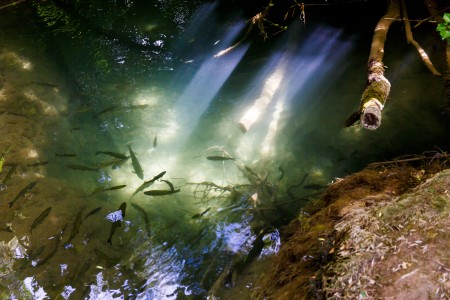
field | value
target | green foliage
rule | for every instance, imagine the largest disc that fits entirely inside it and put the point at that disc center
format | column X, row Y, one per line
column 444, row 28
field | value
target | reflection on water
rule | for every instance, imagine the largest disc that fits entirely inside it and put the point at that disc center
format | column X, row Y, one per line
column 142, row 167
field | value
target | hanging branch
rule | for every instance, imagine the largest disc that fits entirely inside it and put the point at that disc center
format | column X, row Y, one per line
column 257, row 20
column 435, row 13
column 410, row 39
column 378, row 87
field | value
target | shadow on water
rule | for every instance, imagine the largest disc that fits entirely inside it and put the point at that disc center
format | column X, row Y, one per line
column 144, row 167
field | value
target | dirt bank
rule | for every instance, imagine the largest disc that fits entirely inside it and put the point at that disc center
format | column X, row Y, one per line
column 382, row 233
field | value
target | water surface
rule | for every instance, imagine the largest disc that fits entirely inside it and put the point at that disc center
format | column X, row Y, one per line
column 245, row 139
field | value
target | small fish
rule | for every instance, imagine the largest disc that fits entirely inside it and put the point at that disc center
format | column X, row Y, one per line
column 114, row 162
column 136, row 166
column 149, row 183
column 289, row 189
column 109, row 109
column 117, row 187
column 33, row 255
column 40, row 218
column 36, row 252
column 22, row 193
column 197, row 216
column 120, row 108
column 160, row 192
column 116, row 224
column 144, row 214
column 172, row 188
column 82, row 168
column 155, row 141
column 219, row 158
column 113, row 154
column 52, row 85
column 92, row 212
column 314, row 186
column 75, row 228
column 38, row 164
column 75, row 128
column 9, row 174
column 65, row 155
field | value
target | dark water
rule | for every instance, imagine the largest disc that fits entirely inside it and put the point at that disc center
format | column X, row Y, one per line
column 81, row 78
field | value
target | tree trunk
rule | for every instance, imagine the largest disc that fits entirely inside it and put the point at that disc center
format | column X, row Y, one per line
column 378, row 87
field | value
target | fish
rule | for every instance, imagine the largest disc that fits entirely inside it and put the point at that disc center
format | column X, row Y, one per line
column 119, row 108
column 9, row 174
column 136, row 166
column 196, row 216
column 82, row 168
column 23, row 192
column 43, row 163
column 144, row 214
column 65, row 155
column 113, row 154
column 75, row 228
column 117, row 187
column 92, row 212
column 149, row 183
column 75, row 128
column 55, row 246
column 302, row 181
column 101, row 189
column 34, row 253
column 155, row 141
column 160, row 192
column 109, row 109
column 172, row 188
column 113, row 162
column 40, row 218
column 219, row 158
column 117, row 223
column 52, row 85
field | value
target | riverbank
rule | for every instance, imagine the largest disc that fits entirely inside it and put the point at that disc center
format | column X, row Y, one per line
column 381, row 233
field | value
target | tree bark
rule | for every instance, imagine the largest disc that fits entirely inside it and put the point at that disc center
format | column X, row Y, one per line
column 378, row 87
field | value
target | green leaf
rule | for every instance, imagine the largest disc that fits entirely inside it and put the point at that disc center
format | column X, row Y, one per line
column 447, row 18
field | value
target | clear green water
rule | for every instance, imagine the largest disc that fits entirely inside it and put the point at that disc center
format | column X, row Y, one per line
column 99, row 76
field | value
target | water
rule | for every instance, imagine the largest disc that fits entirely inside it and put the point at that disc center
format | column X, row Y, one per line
column 80, row 79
